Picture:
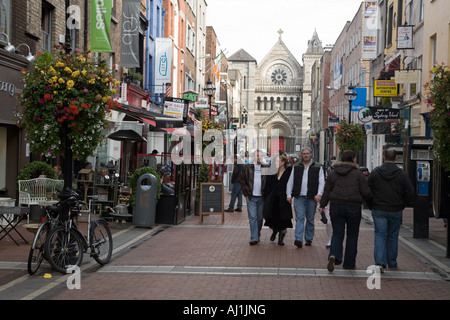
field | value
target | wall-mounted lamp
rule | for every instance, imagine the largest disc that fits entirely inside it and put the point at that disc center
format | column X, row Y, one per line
column 29, row 57
column 9, row 47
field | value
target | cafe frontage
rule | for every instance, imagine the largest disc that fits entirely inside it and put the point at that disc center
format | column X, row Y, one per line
column 14, row 152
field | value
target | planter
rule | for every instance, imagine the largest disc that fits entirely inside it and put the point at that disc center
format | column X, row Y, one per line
column 36, row 213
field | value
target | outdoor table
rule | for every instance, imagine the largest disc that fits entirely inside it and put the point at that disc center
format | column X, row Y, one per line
column 12, row 216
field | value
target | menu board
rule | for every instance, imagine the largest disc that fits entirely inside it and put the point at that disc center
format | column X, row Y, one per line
column 211, row 199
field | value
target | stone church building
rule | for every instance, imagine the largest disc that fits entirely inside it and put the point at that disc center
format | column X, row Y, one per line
column 276, row 93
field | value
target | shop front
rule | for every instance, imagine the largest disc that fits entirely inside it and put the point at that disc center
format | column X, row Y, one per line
column 13, row 148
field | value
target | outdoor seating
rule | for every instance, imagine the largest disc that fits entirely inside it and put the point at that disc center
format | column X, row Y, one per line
column 38, row 191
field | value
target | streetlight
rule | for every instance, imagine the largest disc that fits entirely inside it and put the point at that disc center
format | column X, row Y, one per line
column 350, row 95
column 209, row 91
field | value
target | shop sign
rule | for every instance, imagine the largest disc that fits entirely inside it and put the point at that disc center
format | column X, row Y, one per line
column 177, row 108
column 406, row 77
column 385, row 88
column 7, row 87
column 384, row 113
column 192, row 96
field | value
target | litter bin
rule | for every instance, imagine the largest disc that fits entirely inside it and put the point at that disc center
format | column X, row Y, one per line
column 145, row 208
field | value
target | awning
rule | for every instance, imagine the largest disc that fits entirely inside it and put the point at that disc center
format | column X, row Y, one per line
column 155, row 119
column 126, row 135
column 390, row 68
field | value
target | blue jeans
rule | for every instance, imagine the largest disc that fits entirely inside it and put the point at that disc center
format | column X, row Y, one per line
column 236, row 192
column 304, row 208
column 341, row 217
column 387, row 228
column 255, row 207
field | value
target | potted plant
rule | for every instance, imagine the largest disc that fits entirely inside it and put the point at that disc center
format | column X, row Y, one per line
column 437, row 97
column 35, row 169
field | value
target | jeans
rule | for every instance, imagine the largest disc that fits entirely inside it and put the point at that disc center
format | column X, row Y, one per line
column 387, row 228
column 343, row 216
column 236, row 192
column 255, row 207
column 304, row 208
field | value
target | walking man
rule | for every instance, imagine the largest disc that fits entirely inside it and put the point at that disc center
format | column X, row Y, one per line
column 392, row 192
column 252, row 184
column 305, row 184
column 236, row 191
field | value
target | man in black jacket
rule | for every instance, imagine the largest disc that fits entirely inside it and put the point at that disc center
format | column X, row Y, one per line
column 392, row 192
column 236, row 191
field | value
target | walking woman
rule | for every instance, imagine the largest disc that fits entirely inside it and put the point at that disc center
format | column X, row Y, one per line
column 345, row 188
column 277, row 211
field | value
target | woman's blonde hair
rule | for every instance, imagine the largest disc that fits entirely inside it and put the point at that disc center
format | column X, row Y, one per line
column 285, row 160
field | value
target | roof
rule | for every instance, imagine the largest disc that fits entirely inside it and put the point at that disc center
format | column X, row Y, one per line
column 241, row 55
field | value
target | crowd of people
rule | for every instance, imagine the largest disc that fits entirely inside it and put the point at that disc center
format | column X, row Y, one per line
column 302, row 189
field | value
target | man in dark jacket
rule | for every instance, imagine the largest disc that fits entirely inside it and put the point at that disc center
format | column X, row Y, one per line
column 392, row 192
column 236, row 191
column 346, row 189
column 252, row 183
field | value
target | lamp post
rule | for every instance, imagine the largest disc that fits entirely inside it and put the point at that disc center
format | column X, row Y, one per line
column 350, row 95
column 209, row 91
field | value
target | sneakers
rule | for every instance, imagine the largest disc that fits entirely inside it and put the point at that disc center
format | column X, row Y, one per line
column 330, row 265
column 298, row 243
column 238, row 210
column 308, row 243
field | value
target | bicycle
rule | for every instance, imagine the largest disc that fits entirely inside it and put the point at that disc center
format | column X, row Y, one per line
column 36, row 255
column 66, row 244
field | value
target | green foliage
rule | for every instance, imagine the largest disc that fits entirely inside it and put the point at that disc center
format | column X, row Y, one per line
column 134, row 178
column 350, row 137
column 437, row 92
column 203, row 176
column 35, row 169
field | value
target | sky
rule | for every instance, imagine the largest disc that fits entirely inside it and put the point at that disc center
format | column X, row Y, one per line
column 253, row 25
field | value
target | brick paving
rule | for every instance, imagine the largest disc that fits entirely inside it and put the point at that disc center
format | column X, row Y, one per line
column 211, row 261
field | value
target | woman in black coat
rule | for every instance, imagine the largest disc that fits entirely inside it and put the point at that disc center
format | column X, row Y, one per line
column 277, row 211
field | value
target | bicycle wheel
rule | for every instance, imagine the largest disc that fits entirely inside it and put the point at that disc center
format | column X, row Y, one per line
column 37, row 248
column 64, row 249
column 101, row 242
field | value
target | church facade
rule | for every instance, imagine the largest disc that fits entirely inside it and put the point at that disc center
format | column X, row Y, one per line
column 274, row 94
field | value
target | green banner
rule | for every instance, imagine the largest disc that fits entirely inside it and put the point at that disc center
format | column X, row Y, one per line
column 100, row 25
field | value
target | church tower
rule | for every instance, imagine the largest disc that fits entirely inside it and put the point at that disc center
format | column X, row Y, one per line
column 313, row 54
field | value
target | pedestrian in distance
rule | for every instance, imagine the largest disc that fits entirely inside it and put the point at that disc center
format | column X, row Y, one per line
column 152, row 160
column 392, row 192
column 252, row 183
column 305, row 185
column 277, row 211
column 236, row 191
column 346, row 189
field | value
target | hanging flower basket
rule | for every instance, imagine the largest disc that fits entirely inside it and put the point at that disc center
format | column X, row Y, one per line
column 350, row 137
column 437, row 97
column 65, row 94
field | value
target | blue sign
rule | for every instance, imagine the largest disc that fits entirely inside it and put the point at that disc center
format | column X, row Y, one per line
column 361, row 100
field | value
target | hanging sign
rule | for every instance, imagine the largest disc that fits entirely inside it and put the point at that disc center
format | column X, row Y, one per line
column 385, row 88
column 380, row 113
column 130, row 33
column 100, row 25
column 405, row 37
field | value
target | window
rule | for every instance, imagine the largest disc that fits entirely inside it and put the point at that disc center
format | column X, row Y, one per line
column 411, row 6
column 422, row 6
column 46, row 26
column 390, row 27
column 5, row 16
column 433, row 46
